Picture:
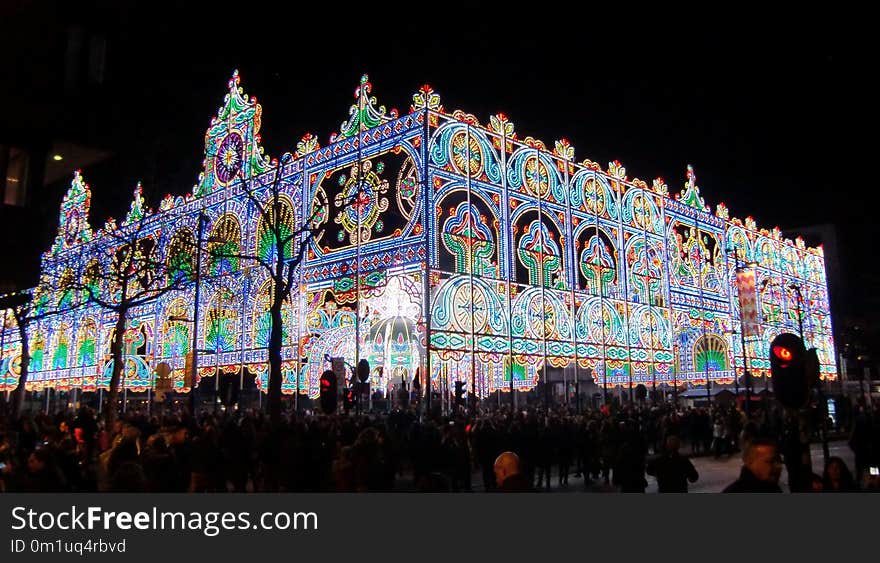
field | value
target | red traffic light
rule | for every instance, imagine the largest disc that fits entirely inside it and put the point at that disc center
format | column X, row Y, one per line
column 783, row 354
column 787, row 369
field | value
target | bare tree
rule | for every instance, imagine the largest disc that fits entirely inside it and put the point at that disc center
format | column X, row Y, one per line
column 285, row 246
column 27, row 307
column 129, row 275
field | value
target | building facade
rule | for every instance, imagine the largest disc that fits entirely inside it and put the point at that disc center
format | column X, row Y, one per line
column 446, row 246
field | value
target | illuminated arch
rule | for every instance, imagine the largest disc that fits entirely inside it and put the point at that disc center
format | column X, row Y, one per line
column 462, row 149
column 176, row 330
column 597, row 261
column 262, row 317
column 471, row 238
column 640, row 211
column 711, row 354
column 87, row 344
column 37, row 351
column 532, row 172
column 645, row 269
column 66, row 293
column 221, row 322
column 265, row 240
column 538, row 249
column 181, row 263
column 738, row 240
column 61, row 346
column 223, row 257
column 592, row 193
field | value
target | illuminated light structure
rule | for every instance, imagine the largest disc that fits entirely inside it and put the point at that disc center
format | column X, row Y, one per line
column 448, row 247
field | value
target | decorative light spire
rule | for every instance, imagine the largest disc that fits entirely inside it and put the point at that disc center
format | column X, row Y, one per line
column 691, row 193
column 363, row 114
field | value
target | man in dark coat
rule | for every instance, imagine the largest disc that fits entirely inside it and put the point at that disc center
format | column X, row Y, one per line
column 672, row 470
column 762, row 467
column 508, row 476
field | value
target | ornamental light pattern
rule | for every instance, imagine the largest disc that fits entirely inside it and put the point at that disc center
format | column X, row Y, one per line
column 445, row 247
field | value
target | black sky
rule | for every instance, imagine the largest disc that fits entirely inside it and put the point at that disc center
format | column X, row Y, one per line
column 754, row 105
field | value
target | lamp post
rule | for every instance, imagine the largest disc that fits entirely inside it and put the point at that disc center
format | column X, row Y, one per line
column 195, row 320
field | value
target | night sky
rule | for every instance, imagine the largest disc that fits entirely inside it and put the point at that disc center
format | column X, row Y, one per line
column 753, row 106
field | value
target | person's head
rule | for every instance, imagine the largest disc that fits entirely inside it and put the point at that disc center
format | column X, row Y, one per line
column 836, row 470
column 38, row 461
column 156, row 443
column 816, row 484
column 762, row 459
column 672, row 444
column 506, row 464
column 179, row 435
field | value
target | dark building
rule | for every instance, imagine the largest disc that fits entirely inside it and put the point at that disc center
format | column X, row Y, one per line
column 58, row 94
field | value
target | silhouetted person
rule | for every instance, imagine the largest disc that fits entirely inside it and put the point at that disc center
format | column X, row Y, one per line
column 762, row 467
column 41, row 475
column 508, row 476
column 672, row 470
column 837, row 478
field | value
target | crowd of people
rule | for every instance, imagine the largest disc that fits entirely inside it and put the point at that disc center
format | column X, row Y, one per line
column 612, row 449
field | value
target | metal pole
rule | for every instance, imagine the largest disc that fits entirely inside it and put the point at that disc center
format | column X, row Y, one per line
column 800, row 311
column 675, row 377
column 426, row 282
column 195, row 335
column 823, row 426
column 2, row 350
column 747, row 377
column 746, row 374
column 602, row 321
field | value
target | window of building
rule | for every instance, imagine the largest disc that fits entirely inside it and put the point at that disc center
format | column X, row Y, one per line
column 15, row 163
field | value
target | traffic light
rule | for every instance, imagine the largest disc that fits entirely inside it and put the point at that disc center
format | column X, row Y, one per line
column 363, row 370
column 328, row 392
column 459, row 393
column 788, row 370
column 348, row 399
